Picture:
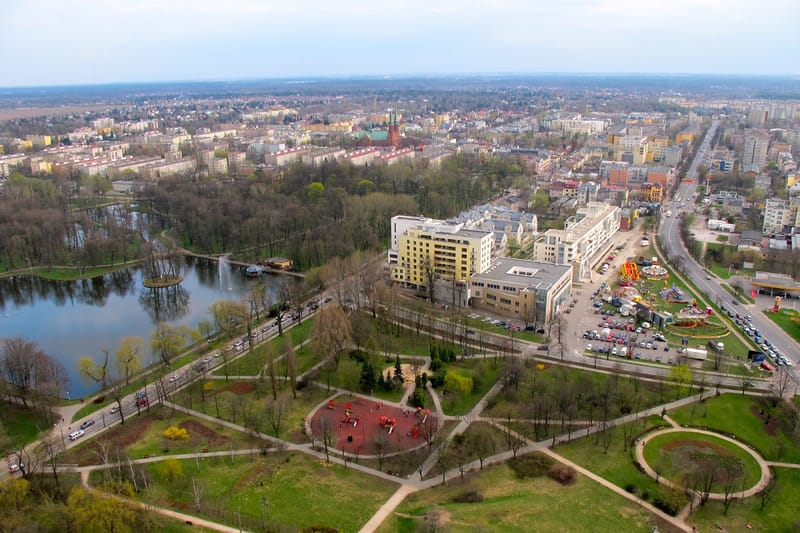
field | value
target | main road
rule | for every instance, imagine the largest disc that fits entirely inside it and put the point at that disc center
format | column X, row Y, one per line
column 669, row 233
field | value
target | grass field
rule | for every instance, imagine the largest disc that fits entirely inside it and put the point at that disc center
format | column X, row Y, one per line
column 616, row 465
column 788, row 320
column 510, row 504
column 666, row 449
column 484, row 374
column 746, row 515
column 247, row 401
column 22, row 425
column 142, row 436
column 739, row 415
column 301, row 491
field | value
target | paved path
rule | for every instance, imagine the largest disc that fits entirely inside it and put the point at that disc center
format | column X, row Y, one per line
column 387, row 508
column 755, row 489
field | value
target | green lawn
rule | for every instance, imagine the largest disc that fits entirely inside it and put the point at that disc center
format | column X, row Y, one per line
column 511, row 504
column 616, row 465
column 746, row 515
column 142, row 436
column 657, row 452
column 246, row 402
column 484, row 374
column 736, row 414
column 788, row 320
column 21, row 425
column 300, row 491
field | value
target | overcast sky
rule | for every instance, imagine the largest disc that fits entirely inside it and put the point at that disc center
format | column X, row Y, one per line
column 48, row 42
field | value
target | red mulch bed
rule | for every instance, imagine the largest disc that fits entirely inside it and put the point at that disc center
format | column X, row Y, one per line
column 358, row 439
column 697, row 443
column 121, row 437
column 241, row 387
column 770, row 428
column 196, row 429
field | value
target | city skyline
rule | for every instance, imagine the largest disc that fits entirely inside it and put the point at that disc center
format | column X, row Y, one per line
column 97, row 42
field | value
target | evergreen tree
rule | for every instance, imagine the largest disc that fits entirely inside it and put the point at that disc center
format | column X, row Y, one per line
column 368, row 380
column 398, row 370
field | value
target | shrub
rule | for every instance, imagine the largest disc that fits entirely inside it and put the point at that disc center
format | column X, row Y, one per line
column 531, row 465
column 630, row 488
column 470, row 496
column 176, row 433
column 566, row 475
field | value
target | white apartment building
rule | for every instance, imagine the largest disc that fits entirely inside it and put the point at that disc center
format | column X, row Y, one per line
column 584, row 235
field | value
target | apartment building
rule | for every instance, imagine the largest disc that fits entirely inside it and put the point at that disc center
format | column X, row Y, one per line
column 441, row 251
column 284, row 157
column 317, row 156
column 777, row 214
column 362, row 157
column 524, row 290
column 585, row 235
column 756, row 145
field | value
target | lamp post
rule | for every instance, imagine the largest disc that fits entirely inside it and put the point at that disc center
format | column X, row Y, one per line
column 30, row 267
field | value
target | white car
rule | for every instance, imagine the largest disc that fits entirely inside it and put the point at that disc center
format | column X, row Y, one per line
column 173, row 378
column 589, row 347
column 75, row 435
column 114, row 409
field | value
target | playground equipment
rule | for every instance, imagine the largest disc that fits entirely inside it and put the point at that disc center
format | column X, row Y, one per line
column 388, row 423
column 629, row 271
column 675, row 295
column 653, row 272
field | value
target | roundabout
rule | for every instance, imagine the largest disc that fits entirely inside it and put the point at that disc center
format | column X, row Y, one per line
column 713, row 465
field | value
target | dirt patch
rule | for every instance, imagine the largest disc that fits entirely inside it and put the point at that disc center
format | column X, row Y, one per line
column 264, row 472
column 242, row 387
column 200, row 432
column 120, row 437
column 770, row 426
column 696, row 443
column 437, row 519
column 410, row 373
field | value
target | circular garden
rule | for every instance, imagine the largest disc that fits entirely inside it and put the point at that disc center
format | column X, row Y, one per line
column 701, row 461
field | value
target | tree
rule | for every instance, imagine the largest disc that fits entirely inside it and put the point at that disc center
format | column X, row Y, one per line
column 327, row 435
column 367, row 380
column 97, row 514
column 769, row 492
column 558, row 330
column 380, row 445
column 229, row 316
column 94, row 371
column 129, row 357
column 681, row 376
column 480, row 441
column 275, row 412
column 168, row 341
column 31, row 372
column 331, row 333
column 291, row 367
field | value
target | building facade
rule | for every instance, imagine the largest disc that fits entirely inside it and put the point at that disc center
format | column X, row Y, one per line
column 529, row 291
column 584, row 235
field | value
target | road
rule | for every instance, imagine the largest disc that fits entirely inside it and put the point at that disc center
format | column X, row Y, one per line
column 710, row 286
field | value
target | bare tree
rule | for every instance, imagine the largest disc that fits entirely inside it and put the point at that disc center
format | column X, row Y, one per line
column 327, row 435
column 197, row 494
column 769, row 492
column 380, row 445
column 275, row 412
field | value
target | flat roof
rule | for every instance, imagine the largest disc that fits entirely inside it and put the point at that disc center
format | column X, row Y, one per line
column 775, row 282
column 532, row 273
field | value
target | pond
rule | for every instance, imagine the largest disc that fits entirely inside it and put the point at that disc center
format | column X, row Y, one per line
column 70, row 319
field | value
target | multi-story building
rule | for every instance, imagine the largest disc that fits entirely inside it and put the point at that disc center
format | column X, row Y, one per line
column 777, row 214
column 362, row 157
column 441, row 251
column 317, row 156
column 524, row 290
column 756, row 145
column 396, row 156
column 284, row 157
column 585, row 235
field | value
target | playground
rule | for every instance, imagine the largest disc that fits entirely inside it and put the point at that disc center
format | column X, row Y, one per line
column 357, row 423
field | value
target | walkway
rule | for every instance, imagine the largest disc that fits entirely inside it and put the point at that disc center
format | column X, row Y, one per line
column 755, row 489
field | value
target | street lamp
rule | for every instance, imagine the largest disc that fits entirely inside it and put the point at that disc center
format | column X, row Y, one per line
column 30, row 267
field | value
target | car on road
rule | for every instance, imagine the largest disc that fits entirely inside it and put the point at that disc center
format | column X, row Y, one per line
column 173, row 378
column 114, row 409
column 735, row 302
column 13, row 468
column 86, row 423
column 75, row 435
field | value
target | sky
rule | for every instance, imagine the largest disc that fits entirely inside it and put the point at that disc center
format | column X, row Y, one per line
column 67, row 42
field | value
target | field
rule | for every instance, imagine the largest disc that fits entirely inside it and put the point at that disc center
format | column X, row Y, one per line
column 289, row 490
column 250, row 404
column 482, row 372
column 778, row 515
column 753, row 421
column 21, row 425
column 667, row 450
column 142, row 436
column 788, row 320
column 511, row 504
column 616, row 464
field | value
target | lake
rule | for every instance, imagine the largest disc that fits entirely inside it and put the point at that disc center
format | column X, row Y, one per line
column 71, row 319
